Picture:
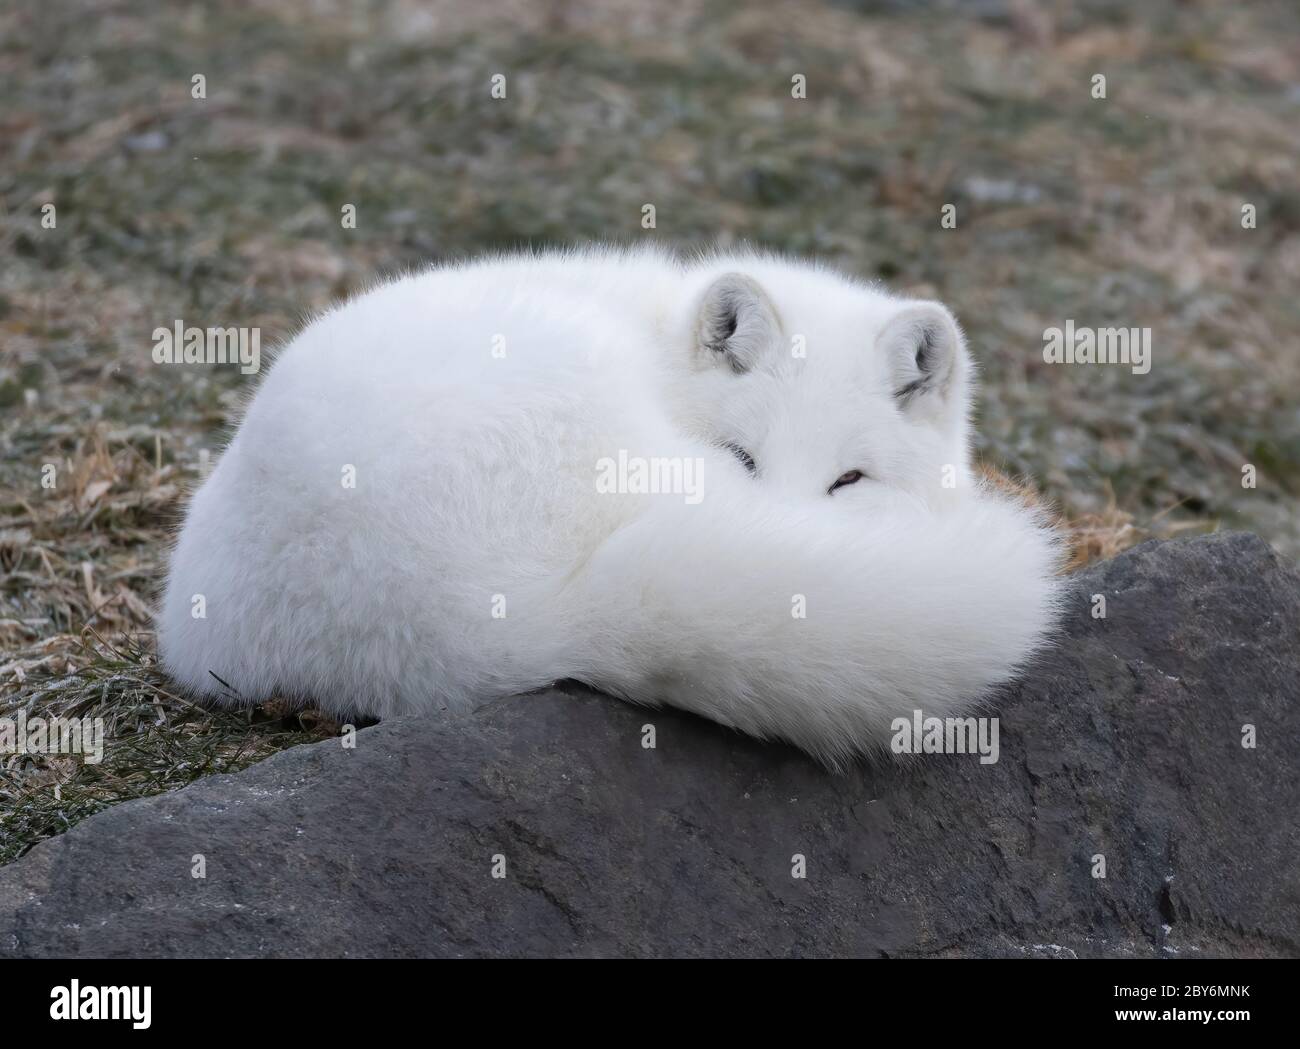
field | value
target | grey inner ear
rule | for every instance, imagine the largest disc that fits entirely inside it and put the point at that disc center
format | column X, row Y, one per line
column 926, row 360
column 736, row 322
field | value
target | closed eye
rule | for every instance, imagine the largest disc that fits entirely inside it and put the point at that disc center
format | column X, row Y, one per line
column 746, row 460
column 852, row 477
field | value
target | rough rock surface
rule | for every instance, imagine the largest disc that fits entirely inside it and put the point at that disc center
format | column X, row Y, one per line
column 1125, row 743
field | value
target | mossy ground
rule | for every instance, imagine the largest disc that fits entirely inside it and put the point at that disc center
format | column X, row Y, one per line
column 226, row 210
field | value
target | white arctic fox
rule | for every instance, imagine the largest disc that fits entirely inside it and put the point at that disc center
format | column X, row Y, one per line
column 740, row 486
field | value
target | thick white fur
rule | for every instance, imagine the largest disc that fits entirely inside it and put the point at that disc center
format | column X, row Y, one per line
column 476, row 477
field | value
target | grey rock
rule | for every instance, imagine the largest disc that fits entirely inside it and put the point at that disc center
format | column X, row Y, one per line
column 1126, row 742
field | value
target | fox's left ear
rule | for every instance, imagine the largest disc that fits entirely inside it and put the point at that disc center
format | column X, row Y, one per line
column 926, row 359
column 736, row 324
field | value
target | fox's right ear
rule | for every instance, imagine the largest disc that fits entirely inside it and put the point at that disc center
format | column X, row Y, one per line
column 927, row 360
column 737, row 324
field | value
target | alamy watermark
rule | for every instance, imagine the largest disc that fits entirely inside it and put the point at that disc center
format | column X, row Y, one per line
column 655, row 475
column 36, row 735
column 1080, row 345
column 930, row 735
column 180, row 344
column 75, row 1002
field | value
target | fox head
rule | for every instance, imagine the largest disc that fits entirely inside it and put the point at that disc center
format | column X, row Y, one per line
column 820, row 387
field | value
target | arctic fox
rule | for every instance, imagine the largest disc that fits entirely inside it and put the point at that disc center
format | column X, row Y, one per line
column 738, row 485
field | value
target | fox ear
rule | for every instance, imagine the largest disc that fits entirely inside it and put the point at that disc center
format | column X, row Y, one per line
column 926, row 358
column 737, row 324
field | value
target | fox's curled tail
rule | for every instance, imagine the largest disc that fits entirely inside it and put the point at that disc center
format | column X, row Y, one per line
column 816, row 628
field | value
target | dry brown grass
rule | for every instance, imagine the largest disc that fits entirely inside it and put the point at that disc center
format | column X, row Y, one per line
column 227, row 211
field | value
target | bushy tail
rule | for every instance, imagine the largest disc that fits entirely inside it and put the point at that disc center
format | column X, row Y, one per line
column 820, row 628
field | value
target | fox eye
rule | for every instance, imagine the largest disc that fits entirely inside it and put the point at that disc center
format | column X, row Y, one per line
column 746, row 460
column 852, row 477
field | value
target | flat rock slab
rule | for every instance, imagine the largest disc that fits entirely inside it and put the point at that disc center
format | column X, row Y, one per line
column 1125, row 743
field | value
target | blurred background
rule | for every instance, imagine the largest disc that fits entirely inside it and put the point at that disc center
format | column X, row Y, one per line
column 225, row 210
